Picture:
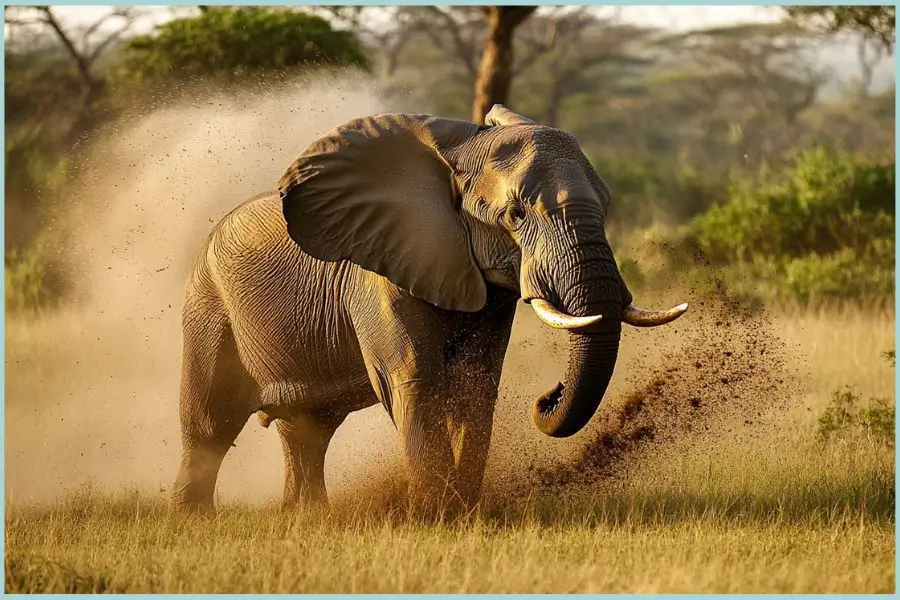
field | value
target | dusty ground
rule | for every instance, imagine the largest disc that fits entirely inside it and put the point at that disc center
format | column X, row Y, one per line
column 700, row 473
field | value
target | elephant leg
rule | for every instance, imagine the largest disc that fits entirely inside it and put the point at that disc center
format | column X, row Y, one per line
column 305, row 440
column 474, row 373
column 401, row 339
column 216, row 393
column 417, row 412
column 469, row 422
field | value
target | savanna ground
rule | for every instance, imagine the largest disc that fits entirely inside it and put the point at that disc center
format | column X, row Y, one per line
column 765, row 507
column 708, row 468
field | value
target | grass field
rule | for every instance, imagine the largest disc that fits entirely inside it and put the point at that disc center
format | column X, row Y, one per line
column 777, row 511
column 641, row 544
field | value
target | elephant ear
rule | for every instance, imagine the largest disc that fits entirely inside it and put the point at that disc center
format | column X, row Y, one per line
column 377, row 191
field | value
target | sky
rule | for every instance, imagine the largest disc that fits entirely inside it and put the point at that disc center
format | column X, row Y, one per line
column 669, row 17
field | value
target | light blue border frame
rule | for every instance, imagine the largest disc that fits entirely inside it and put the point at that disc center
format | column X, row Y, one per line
column 411, row 3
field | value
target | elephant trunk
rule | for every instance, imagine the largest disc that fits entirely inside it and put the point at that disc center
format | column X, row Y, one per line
column 567, row 408
column 590, row 306
column 593, row 303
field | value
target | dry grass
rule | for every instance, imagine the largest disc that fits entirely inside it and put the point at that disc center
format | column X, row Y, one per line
column 775, row 511
column 133, row 546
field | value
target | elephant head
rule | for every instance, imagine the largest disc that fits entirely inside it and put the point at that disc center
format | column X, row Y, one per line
column 439, row 206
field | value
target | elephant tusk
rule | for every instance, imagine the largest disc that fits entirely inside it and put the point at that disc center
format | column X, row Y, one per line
column 638, row 317
column 554, row 317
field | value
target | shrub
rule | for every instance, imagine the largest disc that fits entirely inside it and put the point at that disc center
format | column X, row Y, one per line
column 826, row 201
column 645, row 192
column 31, row 282
column 821, row 228
column 37, row 171
column 228, row 43
column 847, row 413
column 845, row 274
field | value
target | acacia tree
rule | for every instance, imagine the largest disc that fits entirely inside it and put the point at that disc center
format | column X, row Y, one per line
column 55, row 92
column 742, row 88
column 84, row 47
column 876, row 23
column 568, row 52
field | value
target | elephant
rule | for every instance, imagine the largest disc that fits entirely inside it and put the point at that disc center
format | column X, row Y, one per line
column 387, row 268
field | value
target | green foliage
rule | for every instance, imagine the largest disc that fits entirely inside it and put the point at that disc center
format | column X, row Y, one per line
column 824, row 202
column 229, row 43
column 875, row 22
column 44, row 114
column 844, row 274
column 823, row 227
column 30, row 280
column 35, row 173
column 848, row 414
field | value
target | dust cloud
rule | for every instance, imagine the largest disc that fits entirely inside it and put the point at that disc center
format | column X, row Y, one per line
column 91, row 390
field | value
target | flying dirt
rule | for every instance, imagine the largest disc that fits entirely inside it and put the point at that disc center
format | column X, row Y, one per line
column 92, row 388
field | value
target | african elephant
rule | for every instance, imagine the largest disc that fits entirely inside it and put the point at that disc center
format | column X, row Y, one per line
column 387, row 268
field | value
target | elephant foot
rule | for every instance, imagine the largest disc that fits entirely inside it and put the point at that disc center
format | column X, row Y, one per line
column 319, row 505
column 195, row 510
column 433, row 511
column 183, row 504
column 195, row 486
column 439, row 504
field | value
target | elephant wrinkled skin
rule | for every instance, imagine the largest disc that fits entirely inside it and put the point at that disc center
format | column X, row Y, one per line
column 387, row 268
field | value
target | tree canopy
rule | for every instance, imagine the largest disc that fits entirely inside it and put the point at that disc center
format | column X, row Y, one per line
column 227, row 43
column 875, row 22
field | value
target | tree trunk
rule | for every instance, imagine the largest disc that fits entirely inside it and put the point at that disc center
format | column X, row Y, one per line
column 495, row 71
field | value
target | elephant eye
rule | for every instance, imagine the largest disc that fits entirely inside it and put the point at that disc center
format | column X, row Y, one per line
column 514, row 215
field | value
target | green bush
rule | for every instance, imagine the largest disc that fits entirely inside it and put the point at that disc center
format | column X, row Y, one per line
column 826, row 201
column 37, row 171
column 820, row 228
column 845, row 275
column 228, row 43
column 30, row 280
column 848, row 414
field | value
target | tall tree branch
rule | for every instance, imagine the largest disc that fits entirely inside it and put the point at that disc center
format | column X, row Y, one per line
column 463, row 47
column 81, row 63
